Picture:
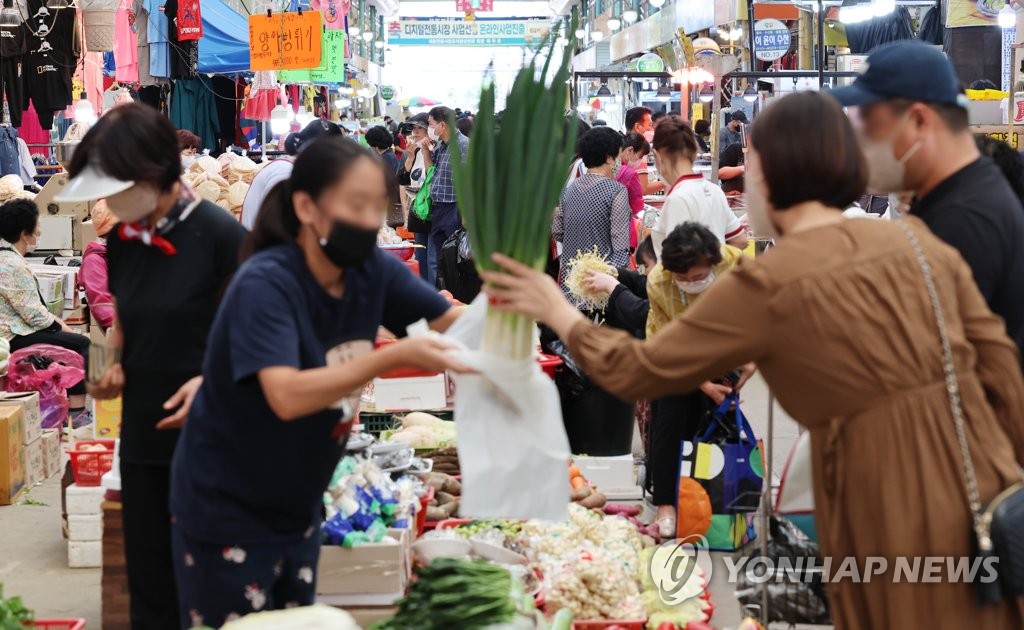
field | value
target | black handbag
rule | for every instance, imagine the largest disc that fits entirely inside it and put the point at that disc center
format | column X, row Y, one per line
column 999, row 526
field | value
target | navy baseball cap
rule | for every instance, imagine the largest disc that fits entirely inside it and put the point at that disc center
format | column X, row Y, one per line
column 739, row 115
column 907, row 69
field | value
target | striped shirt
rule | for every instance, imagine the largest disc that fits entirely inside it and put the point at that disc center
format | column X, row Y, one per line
column 594, row 212
column 442, row 189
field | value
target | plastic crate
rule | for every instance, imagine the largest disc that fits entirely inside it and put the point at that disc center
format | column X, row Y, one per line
column 58, row 624
column 90, row 466
column 421, row 516
column 377, row 423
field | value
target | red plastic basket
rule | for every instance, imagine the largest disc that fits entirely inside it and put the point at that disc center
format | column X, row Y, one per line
column 549, row 363
column 402, row 372
column 421, row 516
column 59, row 624
column 90, row 466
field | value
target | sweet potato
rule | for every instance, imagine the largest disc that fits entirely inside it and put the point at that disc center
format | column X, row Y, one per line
column 436, row 481
column 452, row 486
column 443, row 498
column 450, row 508
column 620, row 509
column 435, row 514
column 580, row 493
column 595, row 500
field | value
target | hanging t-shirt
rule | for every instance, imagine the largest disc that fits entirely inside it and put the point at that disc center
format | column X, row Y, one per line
column 165, row 330
column 126, row 43
column 184, row 53
column 334, row 12
column 159, row 46
column 276, row 315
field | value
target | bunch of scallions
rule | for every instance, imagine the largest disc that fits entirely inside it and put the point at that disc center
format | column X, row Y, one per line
column 512, row 179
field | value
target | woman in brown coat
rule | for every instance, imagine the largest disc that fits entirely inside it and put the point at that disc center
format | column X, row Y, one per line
column 838, row 318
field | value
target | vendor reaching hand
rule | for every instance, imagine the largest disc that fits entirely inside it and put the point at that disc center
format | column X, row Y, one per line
column 289, row 354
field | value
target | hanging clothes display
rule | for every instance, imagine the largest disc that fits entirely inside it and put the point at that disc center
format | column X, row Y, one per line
column 12, row 51
column 334, row 12
column 28, row 166
column 126, row 43
column 91, row 72
column 227, row 108
column 10, row 162
column 32, row 132
column 54, row 45
column 193, row 107
column 263, row 95
column 159, row 45
column 184, row 53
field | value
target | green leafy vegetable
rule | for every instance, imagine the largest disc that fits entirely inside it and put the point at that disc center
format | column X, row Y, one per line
column 13, row 613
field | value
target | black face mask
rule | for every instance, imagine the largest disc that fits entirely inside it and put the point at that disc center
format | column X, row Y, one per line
column 348, row 245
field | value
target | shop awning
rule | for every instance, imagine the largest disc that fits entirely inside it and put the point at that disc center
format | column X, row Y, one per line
column 224, row 47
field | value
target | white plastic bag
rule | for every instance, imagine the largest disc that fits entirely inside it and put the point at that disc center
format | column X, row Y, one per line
column 513, row 450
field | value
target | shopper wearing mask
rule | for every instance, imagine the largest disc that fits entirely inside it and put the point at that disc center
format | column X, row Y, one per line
column 638, row 121
column 732, row 133
column 279, row 170
column 381, row 142
column 834, row 315
column 915, row 137
column 444, row 212
column 290, row 352
column 170, row 259
column 634, row 153
column 94, row 274
column 412, row 175
column 24, row 320
column 702, row 129
column 691, row 197
column 594, row 210
column 189, row 144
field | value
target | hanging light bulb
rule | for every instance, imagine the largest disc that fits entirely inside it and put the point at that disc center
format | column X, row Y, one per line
column 882, row 8
column 57, row 4
column 303, row 117
column 9, row 15
column 379, row 44
column 581, row 33
column 614, row 24
column 354, row 30
column 707, row 95
column 664, row 94
column 597, row 36
column 630, row 15
column 657, row 4
column 367, row 36
column 85, row 113
column 1007, row 17
column 604, row 91
column 280, row 120
column 750, row 94
column 342, row 103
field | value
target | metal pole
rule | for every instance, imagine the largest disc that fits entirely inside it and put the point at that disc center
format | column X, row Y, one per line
column 766, row 500
column 716, row 106
column 750, row 34
column 821, row 43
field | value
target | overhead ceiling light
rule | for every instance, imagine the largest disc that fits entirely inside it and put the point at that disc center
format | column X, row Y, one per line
column 581, row 33
column 367, row 36
column 664, row 94
column 750, row 94
column 342, row 103
column 603, row 90
column 630, row 15
column 614, row 24
column 1007, row 17
column 303, row 117
column 378, row 44
column 657, row 4
column 354, row 30
column 881, row 8
column 707, row 95
column 280, row 120
column 85, row 113
column 597, row 36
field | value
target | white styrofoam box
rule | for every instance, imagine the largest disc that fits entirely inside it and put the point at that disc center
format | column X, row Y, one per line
column 35, row 467
column 84, row 500
column 85, row 554
column 85, row 528
column 419, row 393
column 32, row 419
column 609, row 474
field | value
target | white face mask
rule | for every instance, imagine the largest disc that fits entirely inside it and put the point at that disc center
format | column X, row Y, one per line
column 31, row 247
column 649, row 136
column 134, row 204
column 885, row 172
column 432, row 134
column 698, row 287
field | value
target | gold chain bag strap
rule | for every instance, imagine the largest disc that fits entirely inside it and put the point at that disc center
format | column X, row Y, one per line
column 999, row 526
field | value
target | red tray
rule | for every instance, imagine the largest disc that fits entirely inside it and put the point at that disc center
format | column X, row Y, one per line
column 59, row 624
column 549, row 363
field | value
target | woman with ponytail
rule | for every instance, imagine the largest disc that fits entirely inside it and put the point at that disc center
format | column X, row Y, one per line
column 289, row 354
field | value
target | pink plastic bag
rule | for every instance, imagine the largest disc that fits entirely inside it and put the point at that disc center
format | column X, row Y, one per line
column 63, row 369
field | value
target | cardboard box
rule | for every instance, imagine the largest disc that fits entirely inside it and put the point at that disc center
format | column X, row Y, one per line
column 615, row 476
column 51, row 453
column 12, row 454
column 379, row 569
column 51, row 287
column 85, row 554
column 31, row 418
column 75, row 317
column 106, row 416
column 35, row 469
column 404, row 394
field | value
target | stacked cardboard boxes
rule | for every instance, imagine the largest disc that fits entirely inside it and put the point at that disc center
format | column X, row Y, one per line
column 12, row 454
column 34, row 442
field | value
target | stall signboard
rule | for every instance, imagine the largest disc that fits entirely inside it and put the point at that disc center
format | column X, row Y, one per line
column 649, row 62
column 974, row 12
column 332, row 63
column 409, row 31
column 772, row 40
column 476, row 6
column 285, row 41
column 387, row 92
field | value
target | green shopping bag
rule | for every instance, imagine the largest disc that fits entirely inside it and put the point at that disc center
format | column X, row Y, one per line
column 421, row 204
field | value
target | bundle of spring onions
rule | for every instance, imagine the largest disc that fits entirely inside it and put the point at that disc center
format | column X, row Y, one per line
column 580, row 266
column 511, row 181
